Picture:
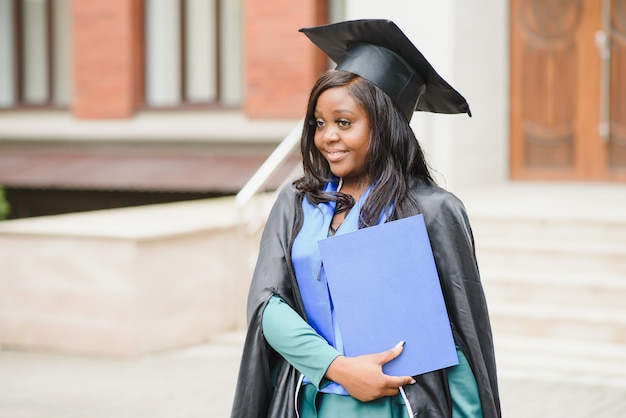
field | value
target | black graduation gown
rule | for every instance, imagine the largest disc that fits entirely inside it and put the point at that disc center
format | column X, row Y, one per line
column 453, row 249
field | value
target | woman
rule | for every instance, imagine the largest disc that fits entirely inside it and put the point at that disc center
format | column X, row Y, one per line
column 362, row 166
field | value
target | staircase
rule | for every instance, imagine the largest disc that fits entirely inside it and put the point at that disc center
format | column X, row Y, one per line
column 553, row 264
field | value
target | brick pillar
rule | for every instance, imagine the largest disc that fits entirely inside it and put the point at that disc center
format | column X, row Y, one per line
column 281, row 64
column 108, row 58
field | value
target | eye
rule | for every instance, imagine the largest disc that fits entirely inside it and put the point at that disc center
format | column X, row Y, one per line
column 343, row 123
column 318, row 123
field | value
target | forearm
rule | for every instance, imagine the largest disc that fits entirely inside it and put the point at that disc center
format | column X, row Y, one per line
column 294, row 339
column 299, row 344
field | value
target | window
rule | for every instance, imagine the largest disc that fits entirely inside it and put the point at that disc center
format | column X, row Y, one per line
column 193, row 52
column 35, row 53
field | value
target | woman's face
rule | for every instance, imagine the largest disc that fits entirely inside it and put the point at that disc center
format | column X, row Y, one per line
column 342, row 132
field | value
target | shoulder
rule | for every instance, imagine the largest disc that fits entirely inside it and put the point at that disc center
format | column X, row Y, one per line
column 444, row 213
column 434, row 199
column 283, row 215
column 285, row 201
column 288, row 191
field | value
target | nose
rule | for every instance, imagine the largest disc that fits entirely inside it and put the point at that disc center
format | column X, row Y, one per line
column 330, row 134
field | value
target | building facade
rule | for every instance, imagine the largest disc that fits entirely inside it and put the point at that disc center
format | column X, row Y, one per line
column 162, row 97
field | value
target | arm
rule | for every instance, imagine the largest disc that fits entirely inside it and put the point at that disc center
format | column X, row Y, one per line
column 295, row 340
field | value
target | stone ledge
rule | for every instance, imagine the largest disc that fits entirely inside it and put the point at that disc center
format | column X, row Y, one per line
column 135, row 223
column 126, row 282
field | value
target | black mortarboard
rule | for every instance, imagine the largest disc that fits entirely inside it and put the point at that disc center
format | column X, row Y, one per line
column 377, row 50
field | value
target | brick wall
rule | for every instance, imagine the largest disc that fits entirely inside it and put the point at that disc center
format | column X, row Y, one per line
column 107, row 58
column 281, row 64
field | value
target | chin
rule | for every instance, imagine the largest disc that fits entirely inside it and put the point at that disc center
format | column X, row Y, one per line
column 340, row 174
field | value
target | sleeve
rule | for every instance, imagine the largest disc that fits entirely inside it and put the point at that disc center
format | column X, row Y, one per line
column 255, row 395
column 296, row 341
column 463, row 389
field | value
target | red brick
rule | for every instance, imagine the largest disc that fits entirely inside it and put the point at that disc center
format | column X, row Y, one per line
column 107, row 58
column 281, row 64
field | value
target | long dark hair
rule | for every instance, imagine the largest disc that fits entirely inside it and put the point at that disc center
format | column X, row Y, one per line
column 394, row 156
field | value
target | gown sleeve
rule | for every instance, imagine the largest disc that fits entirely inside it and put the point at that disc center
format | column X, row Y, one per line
column 296, row 341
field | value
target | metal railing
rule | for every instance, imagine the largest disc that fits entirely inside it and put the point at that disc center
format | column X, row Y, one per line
column 269, row 166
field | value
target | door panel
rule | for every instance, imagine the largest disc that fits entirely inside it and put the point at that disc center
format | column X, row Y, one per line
column 555, row 90
column 554, row 87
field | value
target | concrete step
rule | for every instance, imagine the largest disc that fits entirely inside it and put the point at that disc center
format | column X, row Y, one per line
column 553, row 264
column 551, row 202
column 560, row 359
column 574, row 245
column 557, row 288
column 601, row 324
column 535, row 258
column 559, row 231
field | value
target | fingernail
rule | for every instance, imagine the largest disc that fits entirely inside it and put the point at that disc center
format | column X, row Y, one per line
column 413, row 381
column 401, row 344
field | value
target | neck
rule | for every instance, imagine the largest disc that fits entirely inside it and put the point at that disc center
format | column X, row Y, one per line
column 354, row 186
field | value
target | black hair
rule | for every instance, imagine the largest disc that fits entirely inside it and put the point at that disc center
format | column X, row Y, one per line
column 394, row 156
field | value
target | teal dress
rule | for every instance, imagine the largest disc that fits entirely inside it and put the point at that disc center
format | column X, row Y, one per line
column 294, row 339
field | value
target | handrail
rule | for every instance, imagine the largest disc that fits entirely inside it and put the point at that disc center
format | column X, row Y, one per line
column 270, row 165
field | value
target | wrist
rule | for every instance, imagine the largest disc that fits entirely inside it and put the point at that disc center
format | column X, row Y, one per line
column 336, row 369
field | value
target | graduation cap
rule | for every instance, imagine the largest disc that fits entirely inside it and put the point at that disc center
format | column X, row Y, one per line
column 378, row 51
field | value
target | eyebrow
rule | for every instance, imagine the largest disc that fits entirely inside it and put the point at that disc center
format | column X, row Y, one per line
column 334, row 112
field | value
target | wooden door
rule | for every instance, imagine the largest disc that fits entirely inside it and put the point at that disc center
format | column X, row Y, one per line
column 614, row 150
column 559, row 98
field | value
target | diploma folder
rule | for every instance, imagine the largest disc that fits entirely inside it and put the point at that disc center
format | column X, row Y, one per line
column 385, row 289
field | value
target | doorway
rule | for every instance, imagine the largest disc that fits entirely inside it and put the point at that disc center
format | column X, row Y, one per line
column 568, row 90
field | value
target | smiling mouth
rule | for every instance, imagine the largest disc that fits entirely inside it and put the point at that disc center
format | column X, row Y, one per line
column 335, row 155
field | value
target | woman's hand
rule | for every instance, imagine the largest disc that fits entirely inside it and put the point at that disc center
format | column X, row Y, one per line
column 363, row 376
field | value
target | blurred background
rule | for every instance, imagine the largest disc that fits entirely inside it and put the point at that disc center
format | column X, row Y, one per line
column 141, row 142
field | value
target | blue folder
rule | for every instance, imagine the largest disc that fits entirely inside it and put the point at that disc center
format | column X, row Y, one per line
column 385, row 289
